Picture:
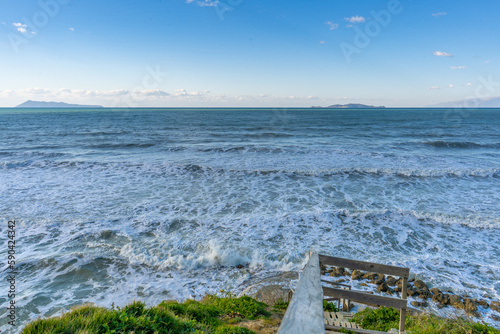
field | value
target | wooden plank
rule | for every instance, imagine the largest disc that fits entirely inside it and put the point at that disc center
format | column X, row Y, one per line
column 305, row 311
column 365, row 298
column 335, row 283
column 402, row 313
column 356, row 330
column 366, row 266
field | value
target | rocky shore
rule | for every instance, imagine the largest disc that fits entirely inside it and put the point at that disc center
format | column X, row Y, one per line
column 417, row 289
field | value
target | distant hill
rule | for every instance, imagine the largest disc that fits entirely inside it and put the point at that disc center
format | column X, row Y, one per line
column 487, row 102
column 351, row 106
column 42, row 104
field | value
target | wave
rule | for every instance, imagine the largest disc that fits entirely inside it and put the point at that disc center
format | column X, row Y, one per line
column 460, row 144
column 175, row 168
column 121, row 146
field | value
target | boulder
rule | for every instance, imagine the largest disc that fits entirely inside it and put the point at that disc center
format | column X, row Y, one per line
column 357, row 274
column 483, row 303
column 390, row 281
column 270, row 294
column 441, row 298
column 420, row 285
column 382, row 287
column 470, row 307
column 370, row 276
column 419, row 304
column 456, row 301
column 424, row 294
column 495, row 306
column 436, row 291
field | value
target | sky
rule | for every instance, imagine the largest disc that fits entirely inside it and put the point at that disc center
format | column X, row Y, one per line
column 248, row 53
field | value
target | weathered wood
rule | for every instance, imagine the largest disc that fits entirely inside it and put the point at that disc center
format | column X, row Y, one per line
column 402, row 313
column 366, row 266
column 365, row 298
column 335, row 283
column 305, row 311
column 355, row 330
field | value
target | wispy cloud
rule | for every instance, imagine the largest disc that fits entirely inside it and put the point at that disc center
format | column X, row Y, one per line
column 468, row 84
column 442, row 54
column 433, row 87
column 457, row 67
column 322, row 42
column 355, row 19
column 451, row 85
column 72, row 29
column 439, row 14
column 22, row 28
column 204, row 3
column 332, row 25
column 486, row 61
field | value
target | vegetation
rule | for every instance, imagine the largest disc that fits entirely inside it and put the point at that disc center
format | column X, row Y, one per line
column 329, row 306
column 213, row 315
column 383, row 319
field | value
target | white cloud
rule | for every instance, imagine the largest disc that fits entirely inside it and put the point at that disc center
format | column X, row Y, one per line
column 72, row 29
column 20, row 27
column 457, row 67
column 468, row 84
column 433, row 87
column 439, row 14
column 332, row 25
column 322, row 42
column 355, row 19
column 205, row 3
column 451, row 86
column 442, row 54
column 138, row 97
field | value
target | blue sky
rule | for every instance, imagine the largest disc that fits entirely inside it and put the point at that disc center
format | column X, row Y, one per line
column 170, row 53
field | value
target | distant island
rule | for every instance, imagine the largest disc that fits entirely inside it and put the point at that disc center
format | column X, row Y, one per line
column 42, row 104
column 350, row 106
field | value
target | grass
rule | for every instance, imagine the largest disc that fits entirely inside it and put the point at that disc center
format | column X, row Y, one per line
column 383, row 319
column 213, row 315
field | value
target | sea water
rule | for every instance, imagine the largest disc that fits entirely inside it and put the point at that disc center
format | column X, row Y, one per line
column 116, row 205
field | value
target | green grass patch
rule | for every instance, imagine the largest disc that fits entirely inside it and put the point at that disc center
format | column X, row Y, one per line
column 212, row 316
column 383, row 319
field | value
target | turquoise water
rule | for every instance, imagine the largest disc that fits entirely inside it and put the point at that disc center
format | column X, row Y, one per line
column 154, row 204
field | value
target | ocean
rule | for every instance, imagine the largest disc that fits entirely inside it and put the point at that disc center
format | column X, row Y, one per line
column 116, row 205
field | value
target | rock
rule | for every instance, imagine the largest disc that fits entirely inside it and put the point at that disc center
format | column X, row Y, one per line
column 376, row 281
column 270, row 294
column 424, row 294
column 240, row 266
column 410, row 292
column 436, row 291
column 420, row 285
column 440, row 306
column 441, row 298
column 370, row 276
column 412, row 279
column 390, row 281
column 382, row 287
column 269, row 290
column 397, row 289
column 495, row 317
column 471, row 307
column 419, row 304
column 495, row 306
column 483, row 303
column 357, row 274
column 363, row 284
column 456, row 301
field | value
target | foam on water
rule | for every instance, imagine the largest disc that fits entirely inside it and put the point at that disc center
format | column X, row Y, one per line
column 134, row 208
